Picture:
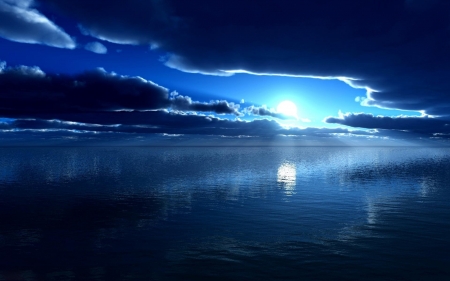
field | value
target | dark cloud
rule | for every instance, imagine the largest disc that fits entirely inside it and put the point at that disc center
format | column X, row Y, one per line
column 185, row 103
column 163, row 122
column 20, row 22
column 399, row 48
column 154, row 122
column 423, row 125
column 170, row 128
column 264, row 111
column 30, row 91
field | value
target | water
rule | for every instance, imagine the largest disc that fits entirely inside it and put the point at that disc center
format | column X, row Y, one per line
column 224, row 213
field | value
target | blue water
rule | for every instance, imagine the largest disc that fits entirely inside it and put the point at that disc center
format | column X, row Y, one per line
column 225, row 213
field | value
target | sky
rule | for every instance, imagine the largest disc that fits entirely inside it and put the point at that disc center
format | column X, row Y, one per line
column 176, row 72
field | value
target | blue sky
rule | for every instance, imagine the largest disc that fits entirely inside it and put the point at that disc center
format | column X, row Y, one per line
column 178, row 47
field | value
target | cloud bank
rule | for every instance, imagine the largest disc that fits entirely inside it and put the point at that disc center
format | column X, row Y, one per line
column 424, row 125
column 28, row 90
column 171, row 123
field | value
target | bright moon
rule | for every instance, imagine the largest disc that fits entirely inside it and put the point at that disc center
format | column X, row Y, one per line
column 287, row 108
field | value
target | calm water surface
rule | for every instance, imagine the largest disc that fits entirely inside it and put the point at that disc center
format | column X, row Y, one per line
column 224, row 214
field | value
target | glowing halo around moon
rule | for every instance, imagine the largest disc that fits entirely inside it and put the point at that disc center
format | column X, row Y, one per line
column 287, row 108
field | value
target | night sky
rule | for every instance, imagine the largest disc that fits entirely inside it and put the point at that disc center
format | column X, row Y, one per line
column 177, row 72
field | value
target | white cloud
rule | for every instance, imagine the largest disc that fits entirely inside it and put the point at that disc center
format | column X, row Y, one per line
column 19, row 22
column 96, row 47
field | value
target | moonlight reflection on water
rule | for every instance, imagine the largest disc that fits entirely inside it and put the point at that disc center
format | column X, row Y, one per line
column 216, row 213
column 286, row 176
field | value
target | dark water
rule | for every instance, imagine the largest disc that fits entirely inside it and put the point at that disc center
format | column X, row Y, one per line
column 224, row 214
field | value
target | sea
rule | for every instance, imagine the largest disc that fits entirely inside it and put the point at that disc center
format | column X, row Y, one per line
column 224, row 213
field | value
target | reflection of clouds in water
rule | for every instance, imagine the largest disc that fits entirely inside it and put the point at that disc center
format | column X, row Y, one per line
column 287, row 176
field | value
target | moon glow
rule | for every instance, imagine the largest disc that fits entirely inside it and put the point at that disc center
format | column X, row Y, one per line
column 287, row 108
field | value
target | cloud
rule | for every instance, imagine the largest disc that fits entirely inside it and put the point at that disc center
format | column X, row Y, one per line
column 423, row 125
column 134, row 22
column 180, row 102
column 264, row 111
column 29, row 91
column 170, row 123
column 188, row 129
column 20, row 22
column 96, row 47
column 396, row 49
